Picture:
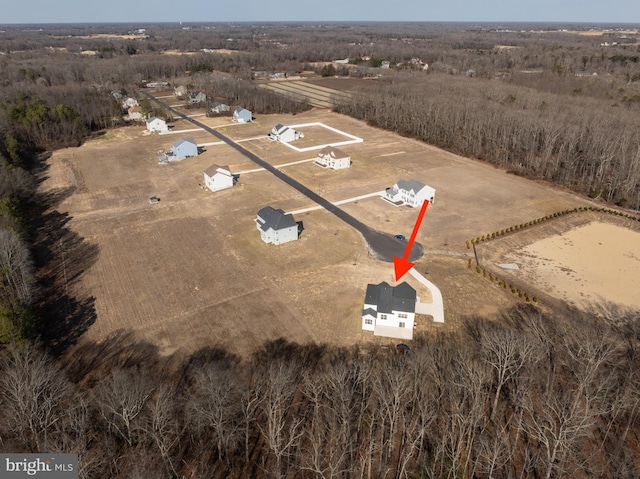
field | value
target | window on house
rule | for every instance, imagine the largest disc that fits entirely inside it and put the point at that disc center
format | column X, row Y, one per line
column 401, row 324
column 383, row 316
column 402, row 316
column 368, row 321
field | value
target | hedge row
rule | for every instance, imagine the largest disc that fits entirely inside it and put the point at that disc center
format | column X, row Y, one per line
column 558, row 214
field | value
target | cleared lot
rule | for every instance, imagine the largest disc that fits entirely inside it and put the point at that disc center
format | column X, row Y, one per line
column 191, row 271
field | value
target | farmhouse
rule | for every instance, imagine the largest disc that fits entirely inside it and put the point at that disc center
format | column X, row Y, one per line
column 157, row 124
column 411, row 193
column 284, row 134
column 218, row 177
column 197, row 97
column 242, row 116
column 389, row 311
column 276, row 226
column 332, row 157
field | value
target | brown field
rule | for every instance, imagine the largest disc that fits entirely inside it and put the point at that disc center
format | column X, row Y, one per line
column 191, row 271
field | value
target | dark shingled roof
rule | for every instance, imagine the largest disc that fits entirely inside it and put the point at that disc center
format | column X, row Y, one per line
column 389, row 299
column 276, row 219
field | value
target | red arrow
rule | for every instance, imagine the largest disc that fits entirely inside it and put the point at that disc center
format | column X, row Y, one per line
column 403, row 265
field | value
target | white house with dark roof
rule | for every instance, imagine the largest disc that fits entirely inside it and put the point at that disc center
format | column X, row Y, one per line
column 242, row 115
column 157, row 124
column 218, row 177
column 411, row 193
column 389, row 311
column 284, row 134
column 332, row 157
column 276, row 226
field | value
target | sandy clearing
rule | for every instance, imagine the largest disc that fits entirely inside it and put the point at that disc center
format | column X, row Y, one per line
column 593, row 263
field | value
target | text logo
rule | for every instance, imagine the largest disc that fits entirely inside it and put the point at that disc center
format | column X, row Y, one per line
column 45, row 466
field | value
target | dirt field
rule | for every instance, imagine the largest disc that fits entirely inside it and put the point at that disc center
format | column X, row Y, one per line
column 586, row 259
column 192, row 271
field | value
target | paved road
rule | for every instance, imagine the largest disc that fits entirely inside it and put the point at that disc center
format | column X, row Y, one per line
column 381, row 245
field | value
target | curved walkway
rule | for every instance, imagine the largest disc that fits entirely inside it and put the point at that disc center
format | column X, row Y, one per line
column 436, row 307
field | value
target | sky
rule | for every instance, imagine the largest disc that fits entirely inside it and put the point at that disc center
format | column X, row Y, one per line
column 139, row 11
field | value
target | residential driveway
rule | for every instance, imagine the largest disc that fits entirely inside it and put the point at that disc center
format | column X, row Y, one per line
column 382, row 246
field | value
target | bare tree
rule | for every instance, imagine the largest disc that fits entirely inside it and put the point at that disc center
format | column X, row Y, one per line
column 34, row 395
column 164, row 425
column 16, row 266
column 507, row 352
column 121, row 399
column 214, row 406
column 279, row 425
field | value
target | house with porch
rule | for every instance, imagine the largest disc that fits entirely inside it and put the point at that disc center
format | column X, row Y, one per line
column 276, row 226
column 284, row 134
column 242, row 115
column 389, row 311
column 218, row 178
column 332, row 157
column 411, row 193
column 157, row 124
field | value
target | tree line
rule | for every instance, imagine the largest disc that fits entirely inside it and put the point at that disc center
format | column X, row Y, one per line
column 532, row 395
column 579, row 142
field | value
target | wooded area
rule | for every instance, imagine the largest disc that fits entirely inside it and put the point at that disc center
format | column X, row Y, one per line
column 532, row 395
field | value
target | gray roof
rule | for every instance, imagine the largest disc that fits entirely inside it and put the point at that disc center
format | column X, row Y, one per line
column 179, row 142
column 276, row 219
column 410, row 185
column 389, row 299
